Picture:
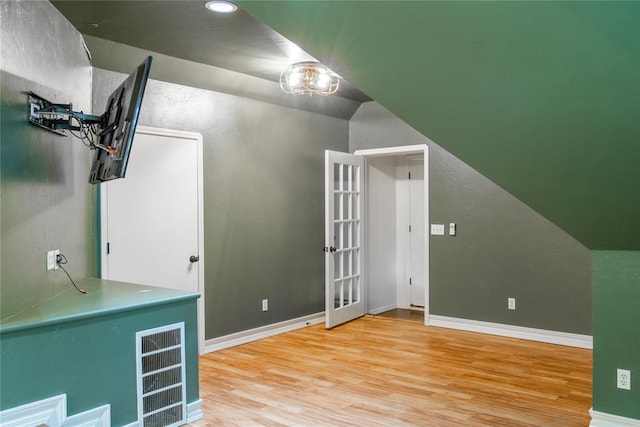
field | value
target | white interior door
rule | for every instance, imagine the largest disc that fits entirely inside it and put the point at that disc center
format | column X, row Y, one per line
column 152, row 219
column 344, row 279
column 417, row 234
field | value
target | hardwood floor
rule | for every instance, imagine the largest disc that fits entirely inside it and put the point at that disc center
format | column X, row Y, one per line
column 403, row 314
column 377, row 371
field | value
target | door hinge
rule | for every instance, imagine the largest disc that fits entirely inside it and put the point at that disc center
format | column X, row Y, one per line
column 410, row 281
column 409, row 175
column 108, row 248
column 409, row 229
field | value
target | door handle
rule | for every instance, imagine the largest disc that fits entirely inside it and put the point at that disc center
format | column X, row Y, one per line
column 194, row 258
column 331, row 249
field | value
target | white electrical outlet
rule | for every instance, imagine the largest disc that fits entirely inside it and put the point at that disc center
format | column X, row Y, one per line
column 265, row 305
column 452, row 229
column 624, row 379
column 511, row 303
column 51, row 260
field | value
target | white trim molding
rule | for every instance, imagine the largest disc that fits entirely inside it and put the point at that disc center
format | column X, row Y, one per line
column 255, row 334
column 379, row 310
column 602, row 419
column 521, row 332
column 194, row 411
column 394, row 150
column 96, row 417
column 52, row 412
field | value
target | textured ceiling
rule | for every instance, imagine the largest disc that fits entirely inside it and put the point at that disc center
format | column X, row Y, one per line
column 120, row 33
column 541, row 97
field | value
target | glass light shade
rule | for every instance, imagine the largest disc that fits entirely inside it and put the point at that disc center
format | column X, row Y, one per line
column 309, row 78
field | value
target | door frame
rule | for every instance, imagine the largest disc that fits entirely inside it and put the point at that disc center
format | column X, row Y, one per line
column 406, row 150
column 103, row 214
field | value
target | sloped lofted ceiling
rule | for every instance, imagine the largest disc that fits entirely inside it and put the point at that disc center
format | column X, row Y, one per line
column 232, row 53
column 543, row 98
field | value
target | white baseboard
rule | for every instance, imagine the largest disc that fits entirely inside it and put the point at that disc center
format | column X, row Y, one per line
column 255, row 334
column 602, row 419
column 194, row 411
column 52, row 412
column 96, row 417
column 542, row 335
column 382, row 309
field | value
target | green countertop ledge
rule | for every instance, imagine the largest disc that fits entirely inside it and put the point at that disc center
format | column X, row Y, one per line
column 103, row 297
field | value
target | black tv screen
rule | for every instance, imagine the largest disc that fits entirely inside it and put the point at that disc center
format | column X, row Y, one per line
column 118, row 126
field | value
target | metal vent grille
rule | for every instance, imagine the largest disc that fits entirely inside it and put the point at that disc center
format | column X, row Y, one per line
column 161, row 376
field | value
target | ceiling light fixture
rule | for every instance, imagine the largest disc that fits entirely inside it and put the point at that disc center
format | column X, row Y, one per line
column 310, row 78
column 221, row 6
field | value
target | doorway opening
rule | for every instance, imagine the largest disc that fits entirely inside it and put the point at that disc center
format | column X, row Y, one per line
column 396, row 218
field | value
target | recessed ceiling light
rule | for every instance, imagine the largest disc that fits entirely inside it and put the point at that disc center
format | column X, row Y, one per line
column 221, row 6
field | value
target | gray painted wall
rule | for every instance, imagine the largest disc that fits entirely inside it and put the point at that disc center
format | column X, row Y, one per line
column 502, row 249
column 263, row 198
column 46, row 201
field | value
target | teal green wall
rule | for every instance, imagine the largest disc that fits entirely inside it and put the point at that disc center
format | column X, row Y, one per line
column 616, row 327
column 540, row 97
column 92, row 361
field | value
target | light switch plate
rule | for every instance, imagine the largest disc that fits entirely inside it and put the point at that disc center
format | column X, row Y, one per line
column 437, row 229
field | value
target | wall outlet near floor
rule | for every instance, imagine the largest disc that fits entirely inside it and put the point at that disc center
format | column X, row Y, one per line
column 624, row 379
column 265, row 305
column 511, row 303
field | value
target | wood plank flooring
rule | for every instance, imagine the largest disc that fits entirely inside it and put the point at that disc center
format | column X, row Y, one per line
column 377, row 371
column 403, row 314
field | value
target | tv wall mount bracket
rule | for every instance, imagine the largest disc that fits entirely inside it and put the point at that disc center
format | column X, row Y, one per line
column 56, row 117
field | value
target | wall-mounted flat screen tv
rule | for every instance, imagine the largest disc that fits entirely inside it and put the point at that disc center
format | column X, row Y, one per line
column 118, row 127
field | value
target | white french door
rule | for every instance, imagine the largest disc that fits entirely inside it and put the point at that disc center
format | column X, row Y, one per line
column 344, row 251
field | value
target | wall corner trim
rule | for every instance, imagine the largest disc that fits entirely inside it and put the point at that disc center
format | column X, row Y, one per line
column 266, row 331
column 521, row 332
column 602, row 419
